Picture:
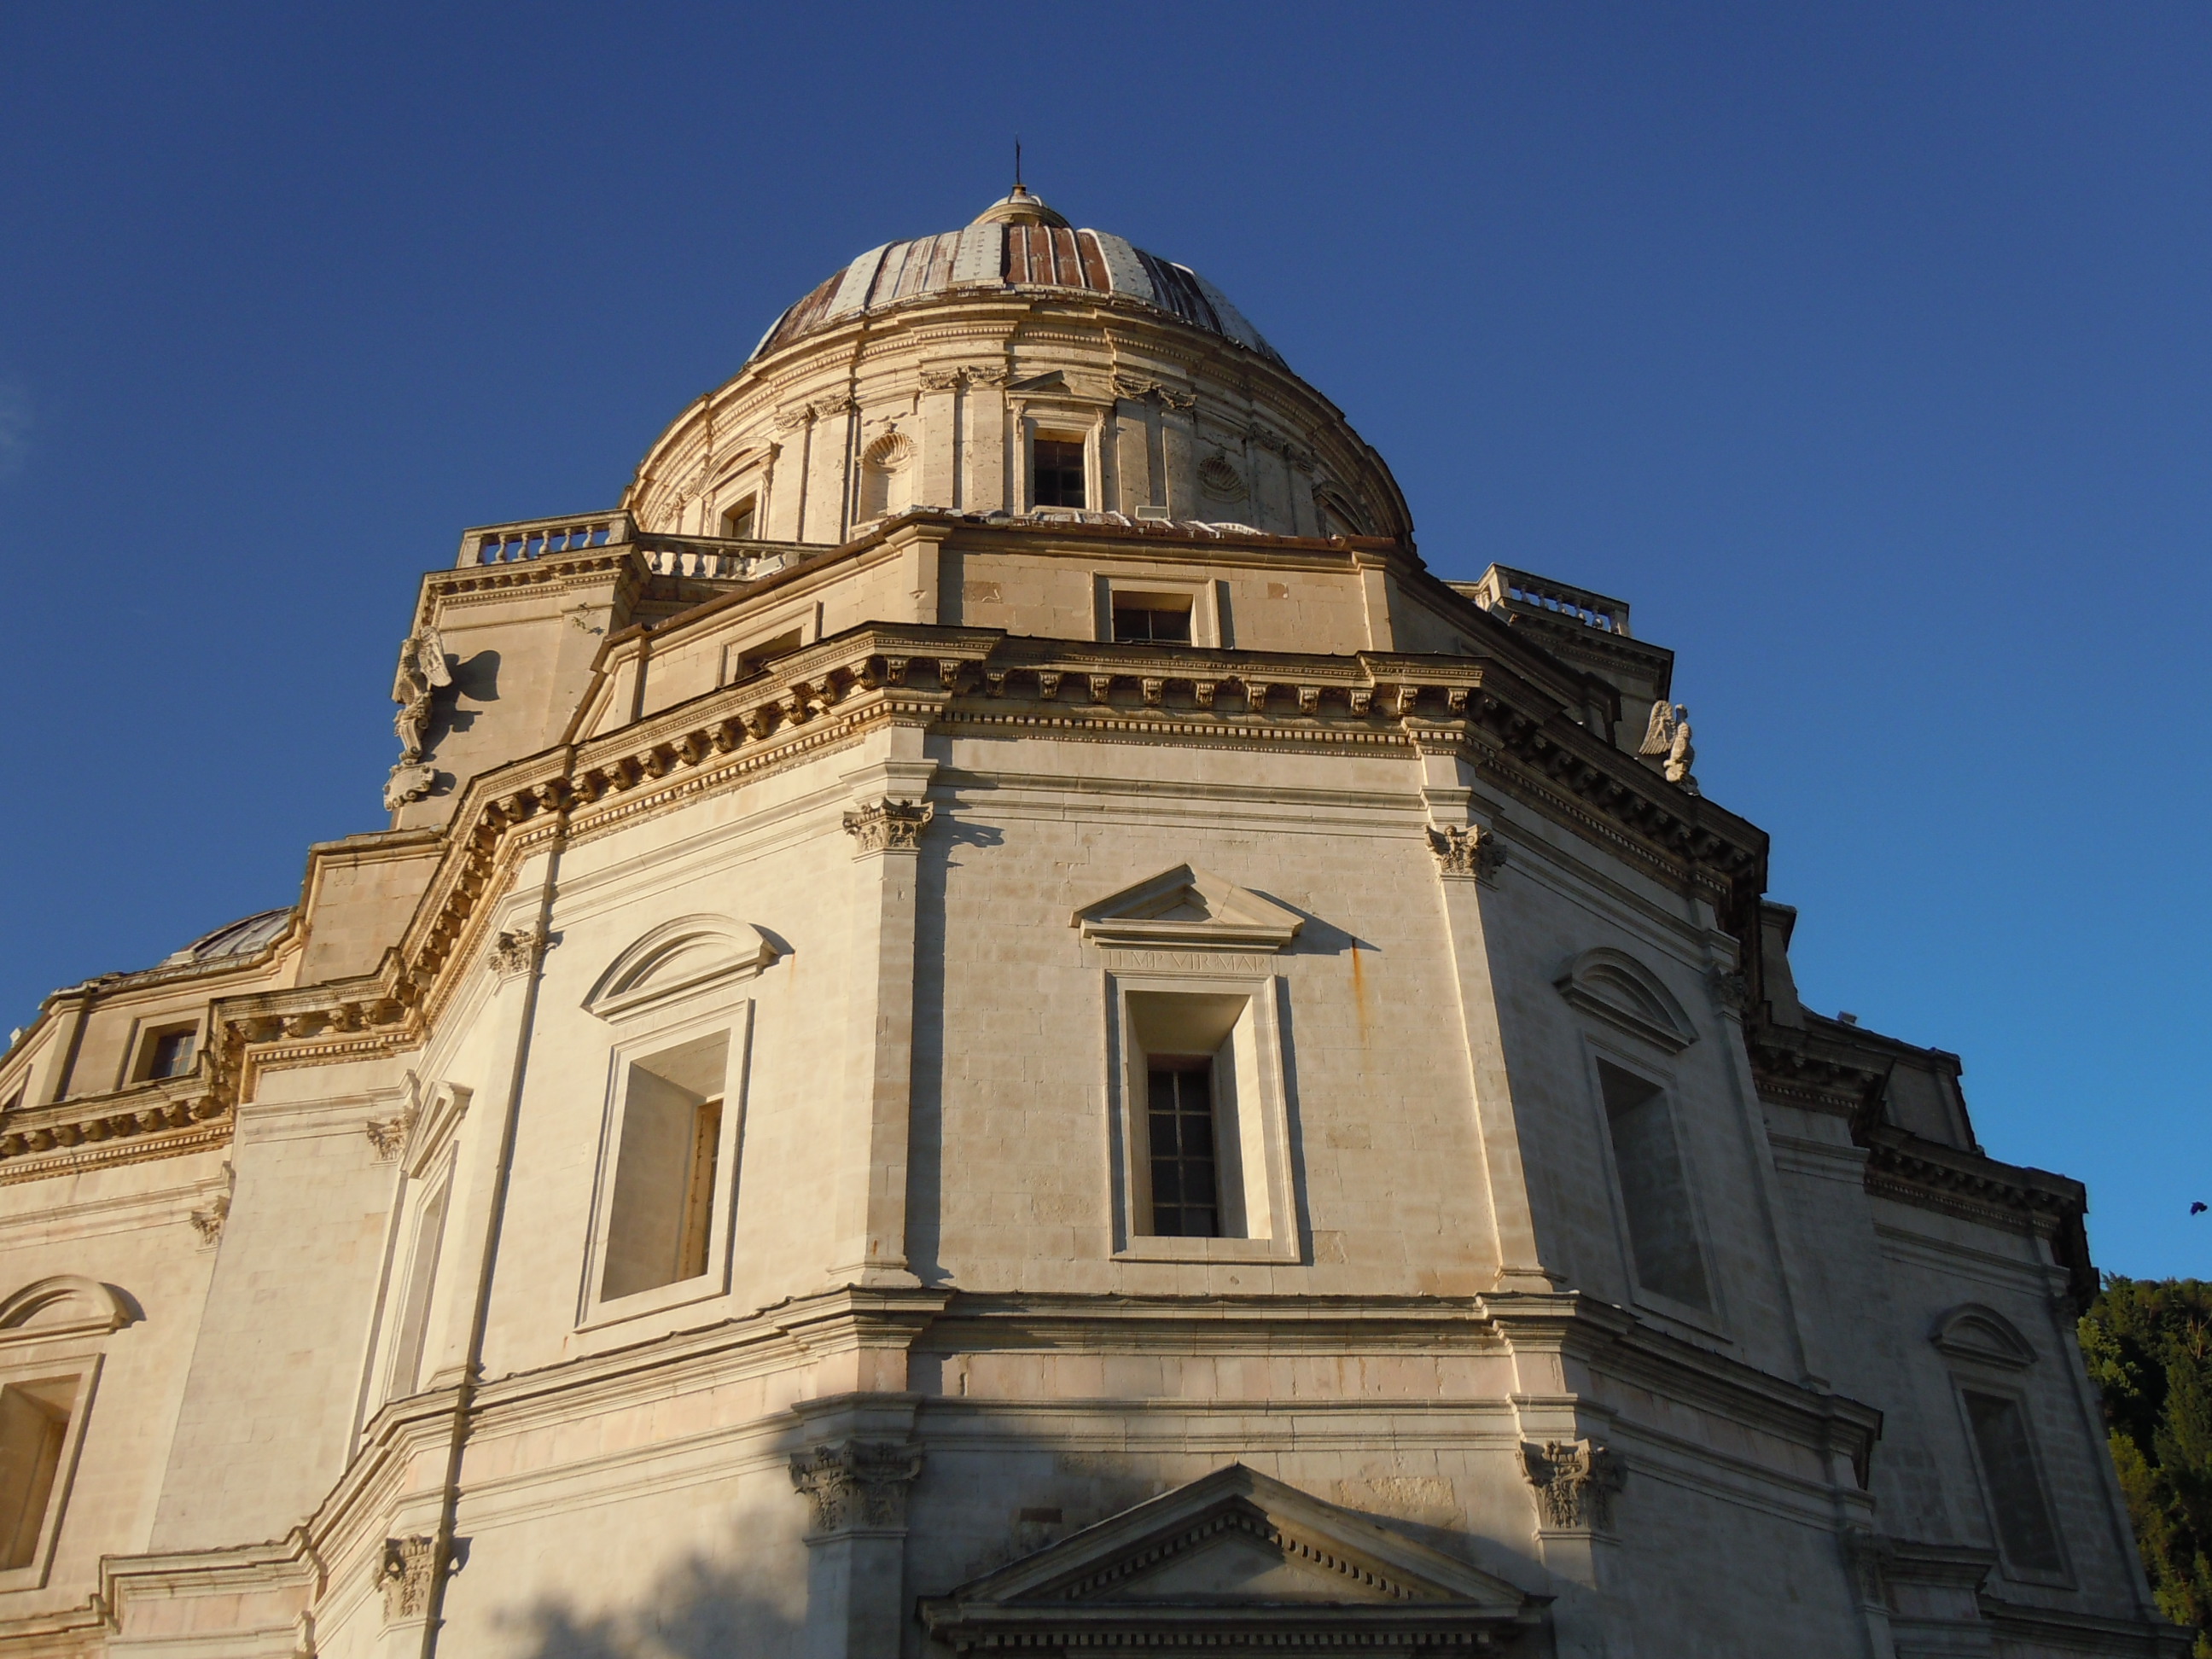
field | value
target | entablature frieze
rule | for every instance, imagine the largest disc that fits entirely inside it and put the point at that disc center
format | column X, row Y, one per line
column 834, row 692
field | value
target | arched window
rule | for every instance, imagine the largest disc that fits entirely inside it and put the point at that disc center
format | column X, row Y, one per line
column 887, row 477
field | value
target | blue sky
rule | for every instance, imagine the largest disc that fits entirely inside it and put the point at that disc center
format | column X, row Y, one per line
column 1864, row 348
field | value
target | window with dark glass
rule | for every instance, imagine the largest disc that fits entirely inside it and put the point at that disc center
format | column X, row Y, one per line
column 2023, row 1519
column 168, row 1054
column 737, row 522
column 1058, row 466
column 1138, row 624
column 1186, row 1190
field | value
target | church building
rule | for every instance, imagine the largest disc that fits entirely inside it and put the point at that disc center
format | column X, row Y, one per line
column 985, row 1022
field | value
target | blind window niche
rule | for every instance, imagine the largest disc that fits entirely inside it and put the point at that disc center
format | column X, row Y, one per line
column 34, row 1420
column 660, row 1216
column 1655, row 1193
column 429, row 1236
column 2021, row 1513
column 1195, row 1092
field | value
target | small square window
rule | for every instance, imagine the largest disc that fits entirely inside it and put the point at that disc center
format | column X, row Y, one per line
column 1056, row 471
column 166, row 1051
column 752, row 659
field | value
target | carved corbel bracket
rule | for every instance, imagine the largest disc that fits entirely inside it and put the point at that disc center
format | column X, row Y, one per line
column 855, row 1485
column 889, row 826
column 1574, row 1482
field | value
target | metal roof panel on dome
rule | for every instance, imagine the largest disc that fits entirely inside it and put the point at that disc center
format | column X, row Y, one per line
column 1035, row 248
column 241, row 938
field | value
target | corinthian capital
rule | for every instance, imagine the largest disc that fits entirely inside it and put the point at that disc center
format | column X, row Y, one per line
column 855, row 1484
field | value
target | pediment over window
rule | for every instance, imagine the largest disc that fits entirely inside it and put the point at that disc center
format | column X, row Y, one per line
column 676, row 959
column 1972, row 1332
column 1187, row 908
column 1234, row 1559
column 66, row 1304
column 1621, row 991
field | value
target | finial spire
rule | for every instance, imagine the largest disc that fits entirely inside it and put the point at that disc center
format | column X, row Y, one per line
column 1018, row 160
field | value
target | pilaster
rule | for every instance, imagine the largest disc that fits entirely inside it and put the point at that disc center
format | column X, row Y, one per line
column 889, row 814
column 854, row 1468
column 1469, row 858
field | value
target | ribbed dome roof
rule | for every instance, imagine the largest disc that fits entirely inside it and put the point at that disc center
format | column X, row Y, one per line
column 1018, row 244
column 241, row 938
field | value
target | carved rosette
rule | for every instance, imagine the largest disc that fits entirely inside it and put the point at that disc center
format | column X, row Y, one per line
column 403, row 1575
column 1574, row 1482
column 889, row 826
column 855, row 1485
column 1471, row 852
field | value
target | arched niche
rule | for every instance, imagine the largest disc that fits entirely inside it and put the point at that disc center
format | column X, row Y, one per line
column 1618, row 989
column 679, row 958
column 64, row 1305
column 1982, row 1335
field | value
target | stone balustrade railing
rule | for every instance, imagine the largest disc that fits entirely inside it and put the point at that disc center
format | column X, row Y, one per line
column 1503, row 588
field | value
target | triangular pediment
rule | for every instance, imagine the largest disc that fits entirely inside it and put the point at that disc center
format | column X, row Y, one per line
column 1226, row 1558
column 1190, row 909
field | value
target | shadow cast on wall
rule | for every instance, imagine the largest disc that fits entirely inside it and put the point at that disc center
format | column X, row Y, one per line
column 697, row 1609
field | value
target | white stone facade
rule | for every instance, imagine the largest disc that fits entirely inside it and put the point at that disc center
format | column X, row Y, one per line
column 949, row 1076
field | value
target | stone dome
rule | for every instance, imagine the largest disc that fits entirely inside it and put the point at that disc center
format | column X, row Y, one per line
column 1017, row 244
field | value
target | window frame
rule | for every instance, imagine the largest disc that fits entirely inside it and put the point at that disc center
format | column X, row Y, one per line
column 1208, row 602
column 145, row 1041
column 804, row 619
column 28, row 1355
column 658, row 1029
column 1261, row 1123
column 1710, row 1321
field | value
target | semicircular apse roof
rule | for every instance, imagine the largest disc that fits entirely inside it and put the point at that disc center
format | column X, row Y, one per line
column 1017, row 245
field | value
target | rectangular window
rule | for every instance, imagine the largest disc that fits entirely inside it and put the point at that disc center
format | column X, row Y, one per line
column 33, row 1424
column 754, row 658
column 738, row 521
column 1186, row 1186
column 1662, row 1230
column 2023, row 1519
column 1145, row 618
column 661, row 1217
column 1057, row 470
column 165, row 1052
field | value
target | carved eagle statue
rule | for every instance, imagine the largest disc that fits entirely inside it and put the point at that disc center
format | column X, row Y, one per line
column 1667, row 739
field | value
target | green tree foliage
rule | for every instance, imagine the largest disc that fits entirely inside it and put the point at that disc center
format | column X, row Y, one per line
column 2149, row 1347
